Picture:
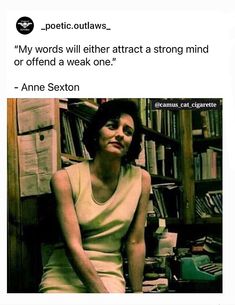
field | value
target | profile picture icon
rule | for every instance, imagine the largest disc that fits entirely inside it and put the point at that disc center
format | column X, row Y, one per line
column 24, row 25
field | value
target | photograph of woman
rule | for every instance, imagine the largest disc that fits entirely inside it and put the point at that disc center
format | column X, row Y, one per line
column 101, row 206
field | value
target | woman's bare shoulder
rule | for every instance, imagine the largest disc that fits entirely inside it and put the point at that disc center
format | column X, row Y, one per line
column 60, row 179
column 146, row 181
column 145, row 176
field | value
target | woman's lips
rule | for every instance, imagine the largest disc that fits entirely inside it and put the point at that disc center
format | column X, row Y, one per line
column 117, row 144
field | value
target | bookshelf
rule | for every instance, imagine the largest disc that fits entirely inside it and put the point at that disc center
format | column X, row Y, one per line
column 207, row 159
column 162, row 148
column 195, row 142
column 73, row 120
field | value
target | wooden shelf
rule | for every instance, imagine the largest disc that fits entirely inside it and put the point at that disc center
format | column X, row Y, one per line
column 209, row 220
column 161, row 179
column 173, row 221
column 207, row 181
column 207, row 140
column 200, row 150
column 72, row 158
column 203, row 143
column 152, row 134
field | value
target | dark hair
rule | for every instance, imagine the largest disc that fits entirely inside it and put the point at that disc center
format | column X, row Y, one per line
column 111, row 110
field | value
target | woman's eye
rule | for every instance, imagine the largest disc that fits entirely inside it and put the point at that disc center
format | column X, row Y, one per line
column 129, row 132
column 111, row 125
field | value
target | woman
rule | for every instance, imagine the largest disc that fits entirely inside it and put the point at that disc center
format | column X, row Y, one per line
column 100, row 205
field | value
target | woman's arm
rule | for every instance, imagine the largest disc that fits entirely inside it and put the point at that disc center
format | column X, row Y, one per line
column 71, row 232
column 135, row 244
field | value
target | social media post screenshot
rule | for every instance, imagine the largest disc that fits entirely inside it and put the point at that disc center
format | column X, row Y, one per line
column 117, row 127
column 81, row 54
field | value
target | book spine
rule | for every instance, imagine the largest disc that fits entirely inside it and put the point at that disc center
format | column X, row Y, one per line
column 161, row 160
column 151, row 157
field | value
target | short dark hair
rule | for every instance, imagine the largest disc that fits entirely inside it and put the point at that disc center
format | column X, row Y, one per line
column 111, row 110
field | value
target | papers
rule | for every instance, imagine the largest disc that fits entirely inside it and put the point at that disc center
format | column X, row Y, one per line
column 166, row 244
column 159, row 285
column 35, row 113
column 37, row 148
column 37, row 160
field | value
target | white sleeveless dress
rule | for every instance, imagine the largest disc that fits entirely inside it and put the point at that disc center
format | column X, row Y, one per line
column 103, row 227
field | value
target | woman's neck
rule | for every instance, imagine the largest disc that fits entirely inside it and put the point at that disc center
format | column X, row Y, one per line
column 105, row 168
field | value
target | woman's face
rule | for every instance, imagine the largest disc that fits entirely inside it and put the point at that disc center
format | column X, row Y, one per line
column 116, row 135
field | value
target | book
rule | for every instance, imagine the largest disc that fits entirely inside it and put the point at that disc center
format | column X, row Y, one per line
column 85, row 109
column 141, row 161
column 169, row 167
column 69, row 143
column 197, row 166
column 204, row 165
column 201, row 208
column 161, row 160
column 143, row 111
column 157, row 120
column 175, row 166
column 211, row 114
column 174, row 125
column 159, row 201
column 215, row 198
column 151, row 157
column 205, row 123
column 167, row 199
column 149, row 122
column 209, row 204
column 196, row 124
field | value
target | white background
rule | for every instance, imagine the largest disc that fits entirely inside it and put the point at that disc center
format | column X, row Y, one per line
column 152, row 23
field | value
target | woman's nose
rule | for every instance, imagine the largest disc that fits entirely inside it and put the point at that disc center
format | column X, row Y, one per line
column 119, row 133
